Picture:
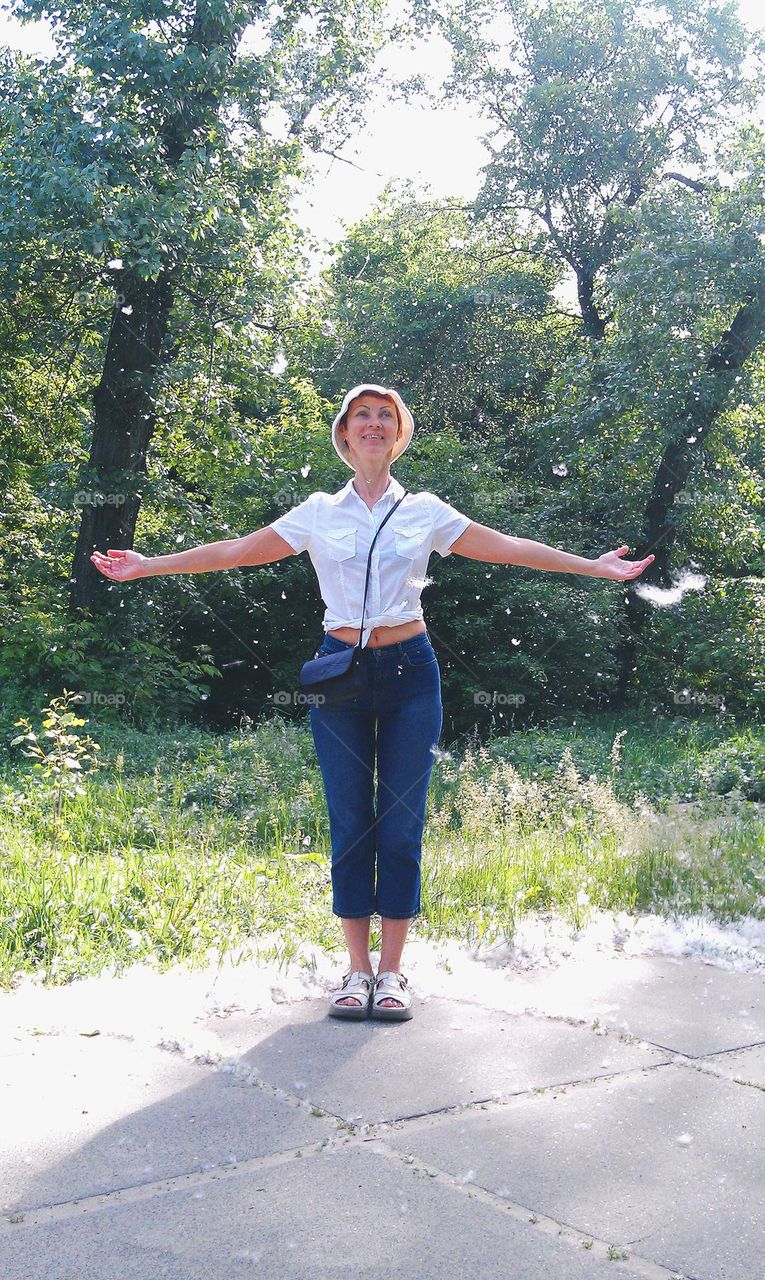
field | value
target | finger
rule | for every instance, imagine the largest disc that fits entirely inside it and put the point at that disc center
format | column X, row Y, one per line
column 116, row 553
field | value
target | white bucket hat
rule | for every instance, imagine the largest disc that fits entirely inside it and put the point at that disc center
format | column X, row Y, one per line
column 407, row 421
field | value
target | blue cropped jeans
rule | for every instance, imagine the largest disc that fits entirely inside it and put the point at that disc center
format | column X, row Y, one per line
column 395, row 723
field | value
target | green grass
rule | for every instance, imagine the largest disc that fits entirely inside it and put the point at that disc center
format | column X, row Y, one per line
column 185, row 840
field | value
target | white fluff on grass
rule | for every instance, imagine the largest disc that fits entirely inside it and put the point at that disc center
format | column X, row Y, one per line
column 179, row 1009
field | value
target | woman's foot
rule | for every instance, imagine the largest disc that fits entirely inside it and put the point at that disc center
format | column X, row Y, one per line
column 354, row 997
column 392, row 1000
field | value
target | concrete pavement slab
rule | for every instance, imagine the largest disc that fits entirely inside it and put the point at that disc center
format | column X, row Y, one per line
column 684, row 1006
column 669, row 1161
column 183, row 1164
column 84, row 1115
column 448, row 1054
column 329, row 1216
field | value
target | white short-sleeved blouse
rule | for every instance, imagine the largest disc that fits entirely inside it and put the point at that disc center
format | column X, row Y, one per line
column 336, row 529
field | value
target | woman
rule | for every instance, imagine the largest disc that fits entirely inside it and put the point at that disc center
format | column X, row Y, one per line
column 396, row 723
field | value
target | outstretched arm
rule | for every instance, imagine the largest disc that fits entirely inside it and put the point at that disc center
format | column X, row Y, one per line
column 260, row 547
column 479, row 542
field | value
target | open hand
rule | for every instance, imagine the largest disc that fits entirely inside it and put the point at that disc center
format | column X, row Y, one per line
column 610, row 566
column 121, row 566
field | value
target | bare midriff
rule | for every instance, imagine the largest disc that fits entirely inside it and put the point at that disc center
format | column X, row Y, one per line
column 381, row 635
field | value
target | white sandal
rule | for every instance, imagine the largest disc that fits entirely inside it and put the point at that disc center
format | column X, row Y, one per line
column 358, row 984
column 392, row 986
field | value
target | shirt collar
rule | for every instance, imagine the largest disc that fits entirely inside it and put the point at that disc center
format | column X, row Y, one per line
column 349, row 494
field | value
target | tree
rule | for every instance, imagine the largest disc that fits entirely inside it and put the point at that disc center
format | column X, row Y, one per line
column 590, row 106
column 421, row 296
column 595, row 110
column 154, row 154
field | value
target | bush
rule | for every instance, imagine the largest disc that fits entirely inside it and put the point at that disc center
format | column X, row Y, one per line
column 708, row 653
column 738, row 765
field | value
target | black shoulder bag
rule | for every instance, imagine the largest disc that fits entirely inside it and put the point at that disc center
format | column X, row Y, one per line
column 340, row 676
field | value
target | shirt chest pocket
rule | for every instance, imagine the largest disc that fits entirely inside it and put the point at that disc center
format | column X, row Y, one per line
column 341, row 543
column 410, row 539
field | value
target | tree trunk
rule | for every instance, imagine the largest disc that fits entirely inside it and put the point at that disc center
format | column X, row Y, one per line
column 124, row 421
column 124, row 399
column 704, row 403
column 593, row 323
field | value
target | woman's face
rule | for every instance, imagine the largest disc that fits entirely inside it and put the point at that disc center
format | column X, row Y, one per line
column 371, row 427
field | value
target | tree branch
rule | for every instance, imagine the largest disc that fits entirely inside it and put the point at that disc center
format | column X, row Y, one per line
column 687, row 182
column 321, row 151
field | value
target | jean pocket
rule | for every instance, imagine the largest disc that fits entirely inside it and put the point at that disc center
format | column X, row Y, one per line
column 423, row 655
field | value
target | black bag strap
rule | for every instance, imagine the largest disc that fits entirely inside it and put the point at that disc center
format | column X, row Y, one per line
column 369, row 564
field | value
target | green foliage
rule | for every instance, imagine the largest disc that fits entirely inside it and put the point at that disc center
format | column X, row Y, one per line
column 525, row 420
column 420, row 298
column 673, row 758
column 589, row 101
column 134, row 677
column 737, row 767
column 186, row 845
column 149, row 140
column 68, row 758
column 708, row 656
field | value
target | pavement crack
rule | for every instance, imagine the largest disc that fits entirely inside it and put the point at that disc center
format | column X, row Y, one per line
column 423, row 1118
column 531, row 1218
column 37, row 1215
